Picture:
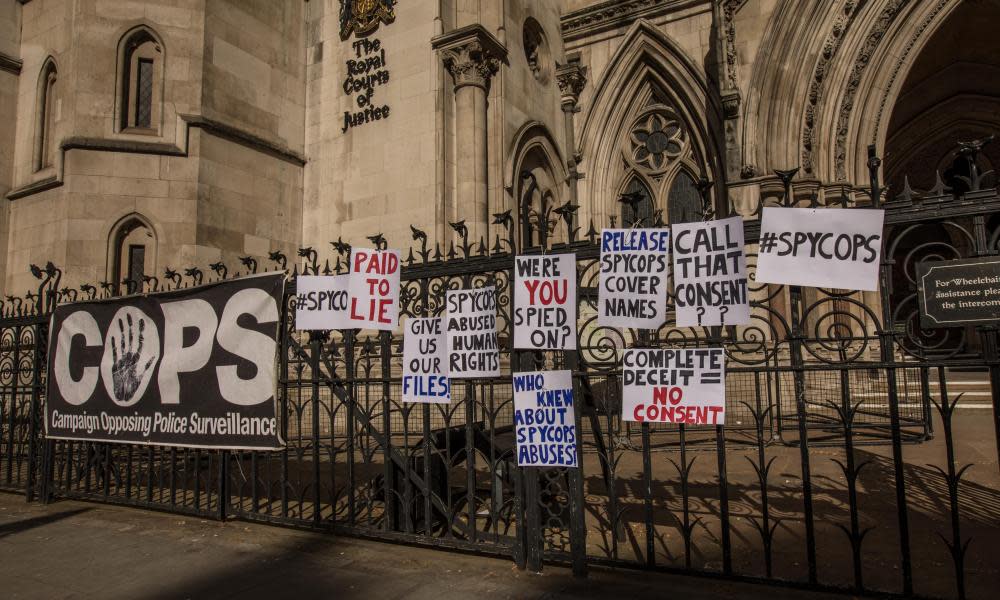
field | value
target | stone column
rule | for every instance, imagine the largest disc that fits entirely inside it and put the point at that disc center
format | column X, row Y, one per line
column 472, row 55
column 571, row 77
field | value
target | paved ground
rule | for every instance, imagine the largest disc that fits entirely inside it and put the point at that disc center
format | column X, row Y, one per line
column 80, row 550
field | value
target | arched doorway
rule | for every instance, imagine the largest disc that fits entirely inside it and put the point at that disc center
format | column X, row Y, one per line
column 951, row 94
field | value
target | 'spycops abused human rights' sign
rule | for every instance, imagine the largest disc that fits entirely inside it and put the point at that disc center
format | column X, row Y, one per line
column 192, row 367
column 374, row 289
column 824, row 247
column 545, row 302
column 425, row 366
column 544, row 419
column 473, row 349
column 710, row 273
column 635, row 266
column 674, row 386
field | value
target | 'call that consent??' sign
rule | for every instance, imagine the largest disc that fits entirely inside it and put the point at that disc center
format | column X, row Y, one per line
column 710, row 273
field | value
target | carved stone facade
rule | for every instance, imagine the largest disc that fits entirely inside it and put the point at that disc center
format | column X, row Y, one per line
column 273, row 125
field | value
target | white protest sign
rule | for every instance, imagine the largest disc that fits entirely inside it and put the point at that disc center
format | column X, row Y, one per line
column 674, row 386
column 710, row 273
column 425, row 366
column 473, row 349
column 322, row 302
column 374, row 289
column 545, row 302
column 820, row 247
column 635, row 266
column 544, row 419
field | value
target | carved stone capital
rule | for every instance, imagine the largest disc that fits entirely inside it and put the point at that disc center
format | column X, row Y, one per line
column 571, row 77
column 471, row 54
column 731, row 104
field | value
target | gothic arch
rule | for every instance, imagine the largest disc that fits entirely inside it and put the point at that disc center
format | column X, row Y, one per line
column 44, row 150
column 648, row 74
column 132, row 229
column 138, row 47
column 888, row 39
column 534, row 176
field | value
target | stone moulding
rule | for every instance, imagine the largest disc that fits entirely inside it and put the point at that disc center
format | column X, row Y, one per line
column 471, row 54
column 10, row 64
column 616, row 13
column 130, row 146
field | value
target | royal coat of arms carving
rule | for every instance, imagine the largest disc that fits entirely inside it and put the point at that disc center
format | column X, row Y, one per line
column 362, row 17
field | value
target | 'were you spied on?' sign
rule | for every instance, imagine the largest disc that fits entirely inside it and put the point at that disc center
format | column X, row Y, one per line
column 635, row 267
column 544, row 419
column 674, row 386
column 820, row 247
column 710, row 273
column 545, row 302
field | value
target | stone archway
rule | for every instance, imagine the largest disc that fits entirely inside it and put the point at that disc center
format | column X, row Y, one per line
column 950, row 94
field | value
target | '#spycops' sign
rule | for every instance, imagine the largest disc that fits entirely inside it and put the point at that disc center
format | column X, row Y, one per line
column 192, row 367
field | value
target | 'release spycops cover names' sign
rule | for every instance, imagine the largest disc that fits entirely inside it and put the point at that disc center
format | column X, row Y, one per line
column 193, row 367
column 635, row 267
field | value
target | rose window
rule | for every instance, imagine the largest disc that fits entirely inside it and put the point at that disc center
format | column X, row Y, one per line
column 656, row 140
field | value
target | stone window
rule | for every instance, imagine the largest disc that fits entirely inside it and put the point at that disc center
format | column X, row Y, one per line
column 536, row 50
column 141, row 81
column 637, row 205
column 132, row 245
column 46, row 116
column 684, row 200
column 661, row 168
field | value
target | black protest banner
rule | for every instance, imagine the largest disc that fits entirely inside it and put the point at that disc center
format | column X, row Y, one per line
column 710, row 273
column 192, row 367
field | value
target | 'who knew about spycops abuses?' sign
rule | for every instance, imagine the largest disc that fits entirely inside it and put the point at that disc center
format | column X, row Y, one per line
column 545, row 419
column 820, row 247
column 674, row 386
column 710, row 273
column 545, row 302
column 193, row 367
column 635, row 267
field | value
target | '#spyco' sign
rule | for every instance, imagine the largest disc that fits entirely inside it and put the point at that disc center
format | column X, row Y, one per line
column 192, row 367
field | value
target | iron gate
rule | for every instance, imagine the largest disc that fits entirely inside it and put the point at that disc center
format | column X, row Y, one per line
column 848, row 461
